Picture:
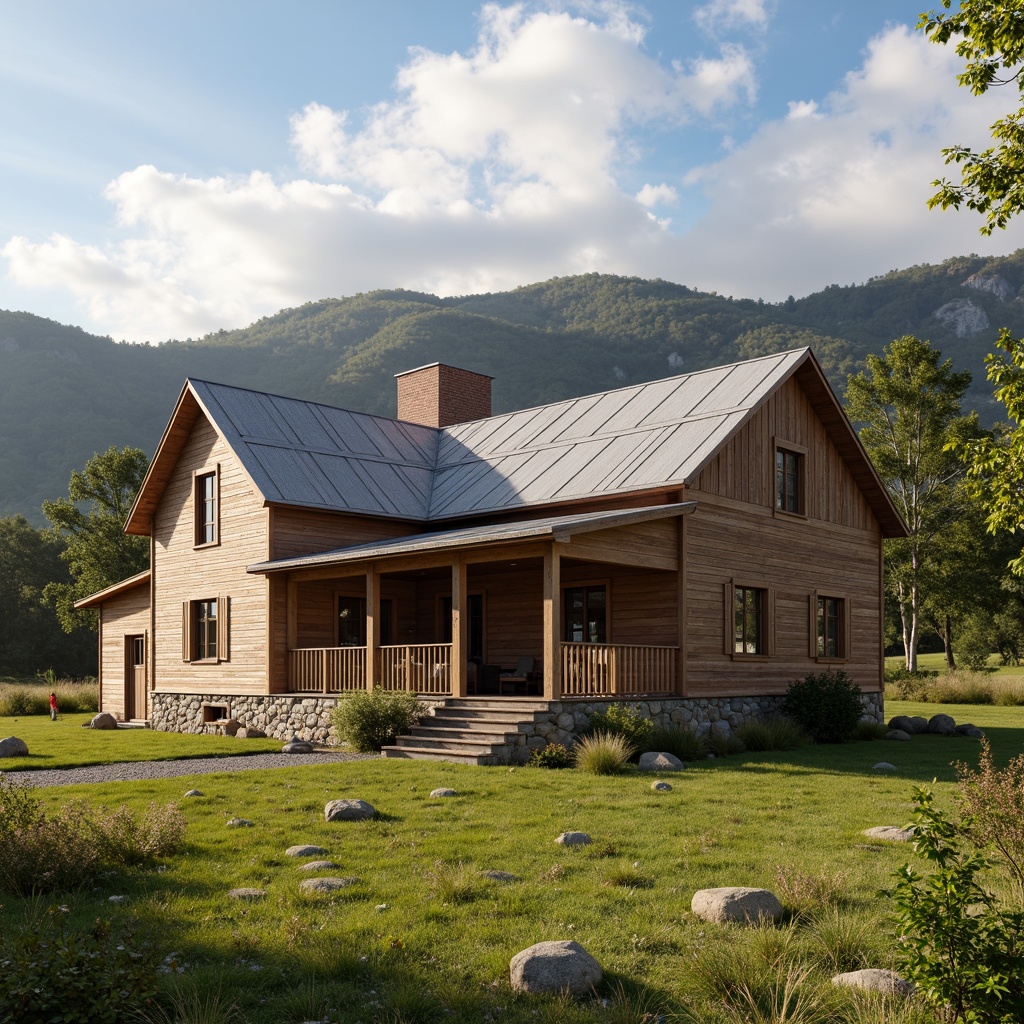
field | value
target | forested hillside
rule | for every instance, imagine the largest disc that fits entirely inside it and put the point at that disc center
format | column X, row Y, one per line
column 65, row 394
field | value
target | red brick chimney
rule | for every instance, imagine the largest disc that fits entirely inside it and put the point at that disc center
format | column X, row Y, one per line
column 438, row 395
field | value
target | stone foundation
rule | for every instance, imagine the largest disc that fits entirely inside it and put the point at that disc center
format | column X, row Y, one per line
column 279, row 715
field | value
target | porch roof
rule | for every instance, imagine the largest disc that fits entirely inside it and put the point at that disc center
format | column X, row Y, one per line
column 559, row 528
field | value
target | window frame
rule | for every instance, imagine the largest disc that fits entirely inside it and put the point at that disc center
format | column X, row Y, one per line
column 766, row 614
column 200, row 504
column 781, row 446
column 387, row 615
column 842, row 623
column 190, row 631
column 585, row 585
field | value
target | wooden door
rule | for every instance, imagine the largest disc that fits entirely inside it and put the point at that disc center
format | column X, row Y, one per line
column 135, row 678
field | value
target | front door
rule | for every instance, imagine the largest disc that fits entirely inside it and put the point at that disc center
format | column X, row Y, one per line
column 135, row 678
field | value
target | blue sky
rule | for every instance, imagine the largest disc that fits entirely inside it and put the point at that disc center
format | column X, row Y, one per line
column 168, row 170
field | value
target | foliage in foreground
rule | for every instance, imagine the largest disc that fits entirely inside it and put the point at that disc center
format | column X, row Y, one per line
column 369, row 720
column 827, row 705
column 58, row 852
column 957, row 944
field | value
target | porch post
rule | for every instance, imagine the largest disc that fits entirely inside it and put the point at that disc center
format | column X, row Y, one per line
column 552, row 623
column 681, row 608
column 460, row 628
column 372, row 627
column 291, row 630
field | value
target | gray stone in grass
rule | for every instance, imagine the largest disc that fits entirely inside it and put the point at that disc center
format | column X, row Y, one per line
column 942, row 725
column 890, row 833
column 661, row 787
column 918, row 725
column 325, row 886
column 297, row 745
column 897, row 734
column 500, row 876
column 971, row 730
column 305, row 851
column 443, row 792
column 348, row 810
column 660, row 761
column 902, row 722
column 103, row 721
column 736, row 903
column 117, row 899
column 12, row 746
column 320, row 865
column 561, row 967
column 573, row 839
column 884, row 768
column 240, row 823
column 874, row 979
column 194, row 792
column 249, row 895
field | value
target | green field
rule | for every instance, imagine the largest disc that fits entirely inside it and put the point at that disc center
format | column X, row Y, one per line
column 424, row 936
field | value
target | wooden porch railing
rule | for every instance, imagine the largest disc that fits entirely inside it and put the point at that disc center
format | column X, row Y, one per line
column 617, row 670
column 327, row 669
column 420, row 668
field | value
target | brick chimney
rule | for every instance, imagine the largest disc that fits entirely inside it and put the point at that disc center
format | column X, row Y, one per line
column 438, row 395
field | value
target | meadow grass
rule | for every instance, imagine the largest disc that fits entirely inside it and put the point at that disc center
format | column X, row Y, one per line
column 426, row 936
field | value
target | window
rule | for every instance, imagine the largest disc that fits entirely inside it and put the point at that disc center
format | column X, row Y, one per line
column 475, row 611
column 204, row 632
column 207, row 503
column 749, row 620
column 829, row 627
column 586, row 614
column 352, row 622
column 788, row 480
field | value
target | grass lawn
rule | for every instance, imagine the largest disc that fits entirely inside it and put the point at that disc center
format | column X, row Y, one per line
column 425, row 936
column 937, row 663
column 65, row 744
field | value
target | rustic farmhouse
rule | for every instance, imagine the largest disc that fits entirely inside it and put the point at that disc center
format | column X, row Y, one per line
column 692, row 544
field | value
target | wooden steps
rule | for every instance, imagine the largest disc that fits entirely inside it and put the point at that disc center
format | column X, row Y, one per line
column 477, row 731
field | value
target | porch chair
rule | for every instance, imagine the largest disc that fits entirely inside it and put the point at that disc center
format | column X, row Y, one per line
column 519, row 678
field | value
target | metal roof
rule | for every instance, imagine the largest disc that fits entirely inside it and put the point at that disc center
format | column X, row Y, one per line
column 561, row 528
column 644, row 437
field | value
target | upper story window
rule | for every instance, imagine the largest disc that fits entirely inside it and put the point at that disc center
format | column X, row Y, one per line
column 207, row 504
column 789, row 480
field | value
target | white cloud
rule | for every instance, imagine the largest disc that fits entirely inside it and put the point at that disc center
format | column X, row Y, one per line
column 724, row 14
column 657, row 195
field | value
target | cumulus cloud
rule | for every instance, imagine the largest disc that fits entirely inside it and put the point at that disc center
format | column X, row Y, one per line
column 724, row 14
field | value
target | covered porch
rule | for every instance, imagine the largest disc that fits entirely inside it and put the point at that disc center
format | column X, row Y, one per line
column 574, row 607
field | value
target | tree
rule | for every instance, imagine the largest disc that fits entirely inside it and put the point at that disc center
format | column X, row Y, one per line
column 909, row 408
column 97, row 550
column 990, row 37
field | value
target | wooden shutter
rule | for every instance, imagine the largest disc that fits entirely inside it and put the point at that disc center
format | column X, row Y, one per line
column 186, row 631
column 223, row 630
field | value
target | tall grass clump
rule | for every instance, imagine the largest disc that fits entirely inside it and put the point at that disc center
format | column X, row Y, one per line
column 369, row 720
column 683, row 743
column 960, row 687
column 602, row 753
column 773, row 733
column 18, row 700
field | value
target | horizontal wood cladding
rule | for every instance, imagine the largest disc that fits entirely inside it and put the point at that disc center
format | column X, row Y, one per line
column 653, row 544
column 123, row 616
column 727, row 541
column 745, row 468
column 298, row 531
column 183, row 572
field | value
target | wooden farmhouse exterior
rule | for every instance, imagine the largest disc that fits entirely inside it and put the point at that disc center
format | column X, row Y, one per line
column 692, row 544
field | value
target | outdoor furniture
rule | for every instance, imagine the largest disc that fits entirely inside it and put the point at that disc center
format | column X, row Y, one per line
column 519, row 680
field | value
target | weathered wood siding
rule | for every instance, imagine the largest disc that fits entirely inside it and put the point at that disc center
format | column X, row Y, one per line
column 182, row 572
column 123, row 616
column 298, row 531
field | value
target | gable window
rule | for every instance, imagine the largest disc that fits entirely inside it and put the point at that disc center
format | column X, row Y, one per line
column 586, row 614
column 352, row 622
column 788, row 480
column 749, row 612
column 205, row 630
column 830, row 630
column 207, row 505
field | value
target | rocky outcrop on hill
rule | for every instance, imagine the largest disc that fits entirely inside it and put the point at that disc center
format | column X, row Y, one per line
column 962, row 317
column 993, row 284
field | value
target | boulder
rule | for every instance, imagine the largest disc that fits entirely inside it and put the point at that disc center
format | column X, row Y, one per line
column 971, row 730
column 194, row 792
column 902, row 722
column 443, row 792
column 297, row 746
column 231, row 726
column 660, row 761
column 942, row 725
column 661, row 787
column 305, row 851
column 250, row 733
column 736, row 903
column 890, row 833
column 320, row 865
column 348, row 810
column 884, row 768
column 12, row 746
column 918, row 725
column 103, row 721
column 559, row 967
column 573, row 839
column 325, row 886
column 897, row 734
column 874, row 979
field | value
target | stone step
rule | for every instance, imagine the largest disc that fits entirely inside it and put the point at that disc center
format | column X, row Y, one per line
column 134, row 723
column 464, row 732
column 476, row 715
column 429, row 754
column 472, row 744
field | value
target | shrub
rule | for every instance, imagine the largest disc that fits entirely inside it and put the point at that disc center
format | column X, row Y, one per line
column 975, row 643
column 623, row 720
column 868, row 730
column 773, row 733
column 19, row 701
column 602, row 753
column 827, row 705
column 805, row 893
column 554, row 755
column 723, row 745
column 369, row 720
column 52, row 973
column 683, row 743
column 123, row 838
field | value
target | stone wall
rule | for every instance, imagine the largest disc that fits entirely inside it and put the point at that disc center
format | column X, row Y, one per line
column 280, row 716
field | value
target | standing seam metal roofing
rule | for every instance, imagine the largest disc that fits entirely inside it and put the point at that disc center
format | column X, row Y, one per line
column 646, row 436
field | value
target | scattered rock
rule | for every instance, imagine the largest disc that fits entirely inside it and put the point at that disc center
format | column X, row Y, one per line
column 381, row 907
column 194, row 792
column 326, row 885
column 903, row 723
column 660, row 761
column 573, row 839
column 892, row 833
column 736, row 903
column 297, row 746
column 897, row 734
column 661, row 787
column 305, row 851
column 348, row 810
column 884, row 768
column 971, row 730
column 918, row 725
column 239, row 823
column 320, row 865
column 942, row 725
column 103, row 721
column 563, row 967
column 231, row 727
column 250, row 895
column 117, row 899
column 12, row 746
column 443, row 792
column 250, row 733
column 500, row 876
column 873, row 979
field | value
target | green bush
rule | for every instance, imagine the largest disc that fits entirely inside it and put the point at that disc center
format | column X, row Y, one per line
column 623, row 720
column 826, row 705
column 52, row 973
column 773, row 733
column 683, row 743
column 18, row 701
column 554, row 755
column 602, row 753
column 867, row 730
column 369, row 720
